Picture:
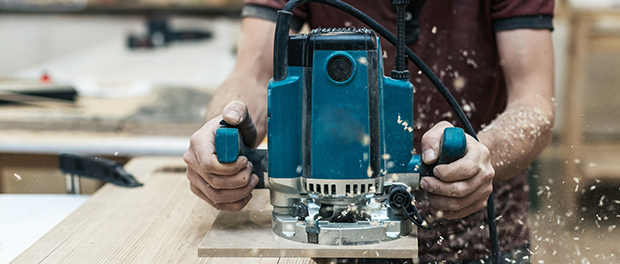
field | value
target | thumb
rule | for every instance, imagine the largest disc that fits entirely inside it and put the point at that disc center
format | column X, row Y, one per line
column 236, row 114
column 431, row 140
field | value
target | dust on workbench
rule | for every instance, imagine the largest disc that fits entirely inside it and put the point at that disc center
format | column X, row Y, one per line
column 174, row 105
column 175, row 112
column 166, row 111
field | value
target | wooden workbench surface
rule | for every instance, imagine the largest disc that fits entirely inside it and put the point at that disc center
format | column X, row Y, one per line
column 161, row 222
column 164, row 111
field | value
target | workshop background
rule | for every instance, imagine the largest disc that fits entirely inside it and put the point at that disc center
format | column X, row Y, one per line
column 120, row 79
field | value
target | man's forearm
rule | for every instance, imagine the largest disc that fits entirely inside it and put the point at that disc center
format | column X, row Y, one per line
column 251, row 74
column 516, row 137
column 252, row 92
column 247, row 89
column 524, row 129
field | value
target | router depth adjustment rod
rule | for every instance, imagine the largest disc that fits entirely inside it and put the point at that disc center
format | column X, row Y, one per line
column 400, row 72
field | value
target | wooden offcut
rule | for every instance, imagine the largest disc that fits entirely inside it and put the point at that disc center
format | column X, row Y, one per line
column 248, row 234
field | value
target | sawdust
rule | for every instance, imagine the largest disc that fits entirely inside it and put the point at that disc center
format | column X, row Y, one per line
column 459, row 83
column 405, row 124
column 363, row 61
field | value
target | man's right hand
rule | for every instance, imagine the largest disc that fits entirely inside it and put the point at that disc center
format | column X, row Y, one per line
column 226, row 187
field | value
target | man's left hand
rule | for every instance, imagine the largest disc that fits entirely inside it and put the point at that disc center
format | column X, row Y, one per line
column 461, row 187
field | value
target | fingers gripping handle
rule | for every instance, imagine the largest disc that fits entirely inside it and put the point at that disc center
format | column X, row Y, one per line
column 229, row 145
column 453, row 146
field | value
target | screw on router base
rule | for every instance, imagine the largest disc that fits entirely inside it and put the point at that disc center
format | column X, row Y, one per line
column 301, row 211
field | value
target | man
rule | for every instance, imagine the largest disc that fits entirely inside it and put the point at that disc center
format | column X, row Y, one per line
column 496, row 58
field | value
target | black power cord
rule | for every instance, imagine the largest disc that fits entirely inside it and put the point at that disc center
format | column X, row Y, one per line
column 280, row 72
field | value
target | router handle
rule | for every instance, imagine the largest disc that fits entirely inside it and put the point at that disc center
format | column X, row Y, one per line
column 229, row 145
column 453, row 146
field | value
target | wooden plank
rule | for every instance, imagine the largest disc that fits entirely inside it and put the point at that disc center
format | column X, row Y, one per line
column 161, row 222
column 248, row 234
column 157, row 113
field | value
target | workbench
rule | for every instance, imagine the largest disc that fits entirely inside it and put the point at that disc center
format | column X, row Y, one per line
column 31, row 136
column 25, row 218
column 161, row 222
column 130, row 102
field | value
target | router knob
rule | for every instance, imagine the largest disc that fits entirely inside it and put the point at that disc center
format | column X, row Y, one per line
column 339, row 68
column 401, row 199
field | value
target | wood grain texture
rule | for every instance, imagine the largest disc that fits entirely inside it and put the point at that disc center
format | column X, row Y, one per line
column 248, row 233
column 165, row 111
column 160, row 222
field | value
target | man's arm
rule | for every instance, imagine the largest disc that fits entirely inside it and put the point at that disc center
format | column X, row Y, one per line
column 511, row 142
column 253, row 70
column 229, row 186
column 525, row 128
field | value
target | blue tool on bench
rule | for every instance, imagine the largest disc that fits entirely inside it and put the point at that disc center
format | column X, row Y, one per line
column 340, row 135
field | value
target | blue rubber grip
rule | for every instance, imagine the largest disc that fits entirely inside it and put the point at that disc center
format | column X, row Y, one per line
column 453, row 145
column 227, row 144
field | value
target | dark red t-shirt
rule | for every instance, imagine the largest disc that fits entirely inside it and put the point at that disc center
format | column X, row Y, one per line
column 457, row 41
